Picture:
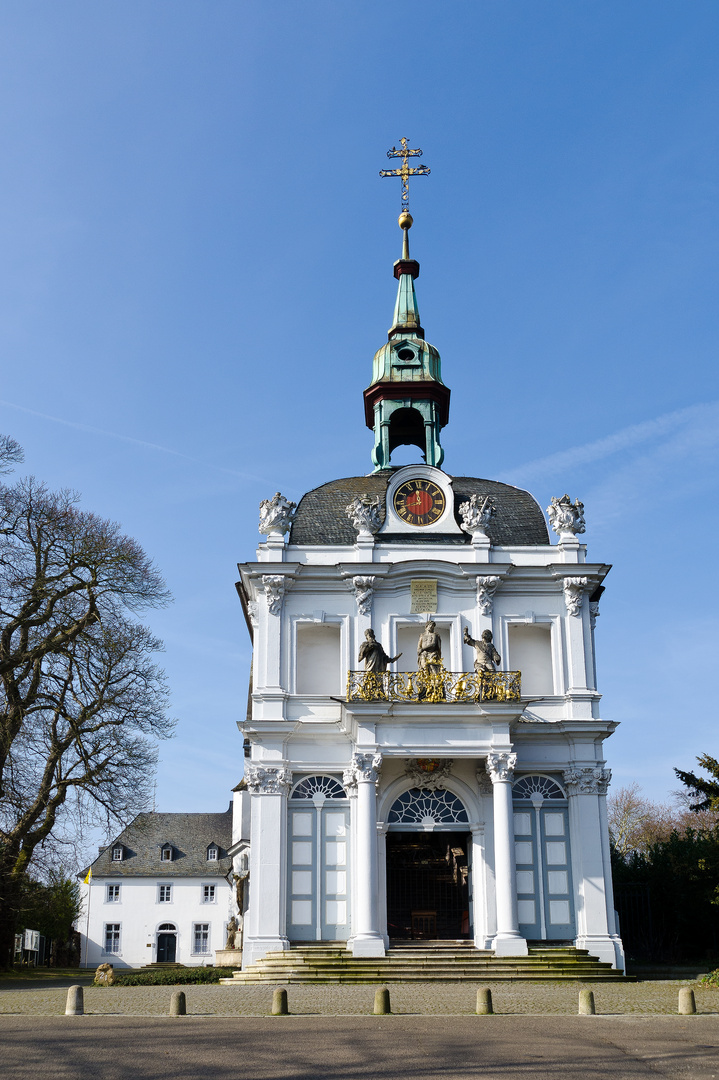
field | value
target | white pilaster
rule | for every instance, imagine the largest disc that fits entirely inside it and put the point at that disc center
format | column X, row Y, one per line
column 508, row 940
column 586, row 787
column 367, row 938
column 267, row 914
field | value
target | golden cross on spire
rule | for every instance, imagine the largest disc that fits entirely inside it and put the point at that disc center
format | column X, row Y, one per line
column 405, row 172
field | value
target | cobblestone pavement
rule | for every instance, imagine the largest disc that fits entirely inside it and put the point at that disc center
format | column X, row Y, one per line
column 424, row 998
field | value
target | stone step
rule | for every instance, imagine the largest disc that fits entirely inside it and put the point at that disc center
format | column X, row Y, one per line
column 411, row 962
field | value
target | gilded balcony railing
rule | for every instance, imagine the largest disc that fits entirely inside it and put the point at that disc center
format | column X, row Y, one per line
column 431, row 687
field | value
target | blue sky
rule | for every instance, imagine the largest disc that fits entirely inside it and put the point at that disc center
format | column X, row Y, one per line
column 196, row 272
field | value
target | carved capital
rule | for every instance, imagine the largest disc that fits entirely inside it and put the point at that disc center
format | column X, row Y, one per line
column 267, row 779
column 253, row 612
column 476, row 514
column 483, row 782
column 274, row 585
column 364, row 767
column 500, row 766
column 276, row 514
column 566, row 517
column 364, row 514
column 587, row 780
column 594, row 612
column 573, row 593
column 363, row 590
column 428, row 773
column 486, row 588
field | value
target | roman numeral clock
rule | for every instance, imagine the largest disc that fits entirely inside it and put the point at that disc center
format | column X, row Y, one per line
column 420, row 500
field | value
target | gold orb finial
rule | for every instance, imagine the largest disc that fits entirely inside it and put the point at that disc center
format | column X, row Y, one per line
column 405, row 220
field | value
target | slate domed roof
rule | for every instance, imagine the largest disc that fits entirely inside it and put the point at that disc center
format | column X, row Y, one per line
column 321, row 516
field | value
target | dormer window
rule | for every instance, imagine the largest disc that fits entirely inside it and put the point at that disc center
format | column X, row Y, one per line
column 212, row 853
column 166, row 853
column 117, row 853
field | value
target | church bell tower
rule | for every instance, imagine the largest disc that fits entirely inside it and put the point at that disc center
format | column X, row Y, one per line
column 406, row 403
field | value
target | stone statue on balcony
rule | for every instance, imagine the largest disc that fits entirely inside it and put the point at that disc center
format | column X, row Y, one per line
column 486, row 656
column 373, row 655
column 429, row 650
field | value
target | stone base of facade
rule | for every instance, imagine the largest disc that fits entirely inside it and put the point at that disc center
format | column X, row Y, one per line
column 256, row 948
column 607, row 947
column 369, row 945
column 510, row 946
column 228, row 958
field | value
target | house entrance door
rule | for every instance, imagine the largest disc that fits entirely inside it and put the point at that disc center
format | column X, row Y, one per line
column 428, row 885
column 166, row 946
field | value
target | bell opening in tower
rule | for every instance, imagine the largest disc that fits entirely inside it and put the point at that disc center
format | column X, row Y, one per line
column 428, row 886
column 406, row 428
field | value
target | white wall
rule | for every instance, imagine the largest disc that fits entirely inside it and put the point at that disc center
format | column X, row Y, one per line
column 140, row 914
column 530, row 651
column 318, row 659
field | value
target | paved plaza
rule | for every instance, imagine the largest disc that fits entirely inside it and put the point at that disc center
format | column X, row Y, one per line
column 359, row 1048
column 423, row 998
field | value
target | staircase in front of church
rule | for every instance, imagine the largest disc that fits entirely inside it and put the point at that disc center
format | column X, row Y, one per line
column 422, row 962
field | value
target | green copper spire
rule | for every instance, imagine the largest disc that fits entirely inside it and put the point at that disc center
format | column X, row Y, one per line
column 406, row 309
column 406, row 403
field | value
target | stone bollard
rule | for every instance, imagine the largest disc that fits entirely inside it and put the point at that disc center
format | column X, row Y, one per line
column 75, row 1004
column 279, row 1003
column 381, row 1001
column 687, row 1002
column 178, row 1004
column 484, row 1002
column 586, row 1003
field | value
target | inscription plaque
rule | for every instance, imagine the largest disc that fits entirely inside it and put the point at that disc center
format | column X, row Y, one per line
column 424, row 596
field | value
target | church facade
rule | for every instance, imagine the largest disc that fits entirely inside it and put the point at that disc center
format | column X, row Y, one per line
column 424, row 738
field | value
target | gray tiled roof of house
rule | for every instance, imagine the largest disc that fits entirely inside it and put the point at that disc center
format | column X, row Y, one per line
column 190, row 836
column 321, row 516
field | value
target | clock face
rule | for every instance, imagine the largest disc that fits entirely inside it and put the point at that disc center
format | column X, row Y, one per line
column 419, row 502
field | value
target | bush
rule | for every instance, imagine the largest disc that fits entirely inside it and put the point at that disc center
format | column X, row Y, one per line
column 173, row 976
column 712, row 979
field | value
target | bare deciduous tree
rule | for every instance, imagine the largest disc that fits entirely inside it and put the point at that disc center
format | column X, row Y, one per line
column 82, row 702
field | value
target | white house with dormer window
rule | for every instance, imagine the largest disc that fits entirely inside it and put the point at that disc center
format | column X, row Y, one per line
column 163, row 892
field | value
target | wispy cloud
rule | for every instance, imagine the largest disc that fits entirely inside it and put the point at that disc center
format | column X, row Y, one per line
column 129, row 439
column 565, row 460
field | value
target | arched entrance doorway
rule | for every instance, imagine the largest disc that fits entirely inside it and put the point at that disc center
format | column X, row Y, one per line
column 167, row 943
column 428, row 866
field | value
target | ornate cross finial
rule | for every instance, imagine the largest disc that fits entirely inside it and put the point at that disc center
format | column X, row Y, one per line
column 405, row 172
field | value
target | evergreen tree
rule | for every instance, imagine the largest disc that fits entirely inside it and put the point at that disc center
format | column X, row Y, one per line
column 704, row 793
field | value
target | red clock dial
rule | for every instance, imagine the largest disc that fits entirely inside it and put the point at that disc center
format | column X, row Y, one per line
column 419, row 502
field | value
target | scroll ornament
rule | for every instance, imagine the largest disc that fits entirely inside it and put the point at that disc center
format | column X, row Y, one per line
column 276, row 514
column 267, row 779
column 573, row 592
column 486, row 588
column 566, row 517
column 274, row 585
column 363, row 590
column 363, row 513
column 587, row 780
column 500, row 766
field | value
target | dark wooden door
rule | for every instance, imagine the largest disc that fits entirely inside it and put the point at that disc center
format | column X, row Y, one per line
column 166, row 948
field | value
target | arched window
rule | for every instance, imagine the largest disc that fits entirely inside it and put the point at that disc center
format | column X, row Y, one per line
column 526, row 786
column 319, row 785
column 167, row 928
column 420, row 806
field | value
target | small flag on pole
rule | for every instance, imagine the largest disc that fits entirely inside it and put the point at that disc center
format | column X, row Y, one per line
column 88, row 877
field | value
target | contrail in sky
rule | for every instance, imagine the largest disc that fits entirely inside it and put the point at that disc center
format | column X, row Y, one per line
column 129, row 439
column 565, row 460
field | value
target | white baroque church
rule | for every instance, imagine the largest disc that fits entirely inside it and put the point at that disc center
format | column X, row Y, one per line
column 425, row 750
